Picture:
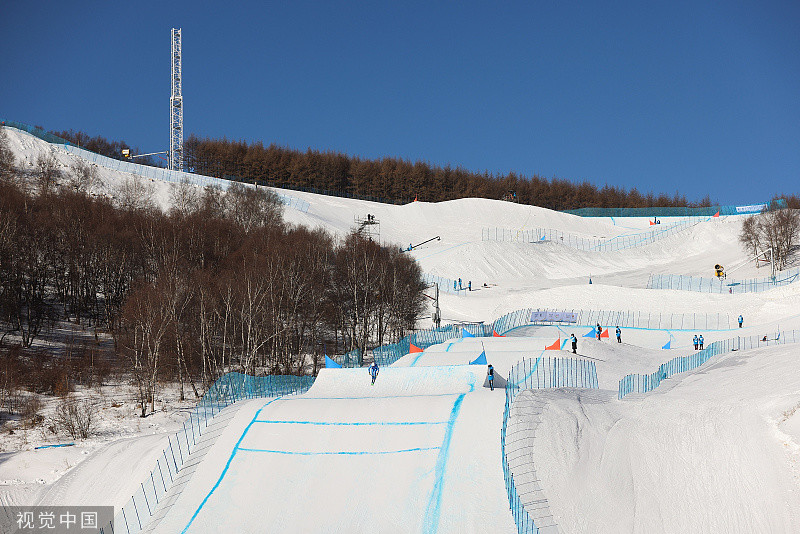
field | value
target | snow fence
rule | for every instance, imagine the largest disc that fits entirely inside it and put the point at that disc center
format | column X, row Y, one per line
column 672, row 211
column 636, row 383
column 621, row 318
column 721, row 285
column 388, row 354
column 232, row 387
column 525, row 498
column 588, row 244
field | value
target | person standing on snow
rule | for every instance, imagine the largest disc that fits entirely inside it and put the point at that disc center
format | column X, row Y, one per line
column 741, row 320
column 574, row 343
column 373, row 371
column 619, row 335
column 700, row 339
column 599, row 331
column 696, row 342
column 490, row 376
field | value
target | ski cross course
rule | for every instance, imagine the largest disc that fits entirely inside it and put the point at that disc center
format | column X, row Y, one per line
column 715, row 448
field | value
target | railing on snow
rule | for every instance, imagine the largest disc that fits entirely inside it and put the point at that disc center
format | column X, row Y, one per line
column 540, row 373
column 637, row 383
column 228, row 389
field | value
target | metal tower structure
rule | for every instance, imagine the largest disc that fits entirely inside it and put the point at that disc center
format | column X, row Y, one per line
column 176, row 106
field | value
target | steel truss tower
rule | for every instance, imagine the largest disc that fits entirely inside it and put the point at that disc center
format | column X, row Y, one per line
column 176, row 106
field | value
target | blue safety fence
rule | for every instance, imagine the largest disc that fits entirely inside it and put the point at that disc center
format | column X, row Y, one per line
column 720, row 284
column 672, row 211
column 621, row 318
column 588, row 244
column 232, row 387
column 388, row 354
column 146, row 171
column 637, row 383
column 349, row 359
column 36, row 132
column 538, row 373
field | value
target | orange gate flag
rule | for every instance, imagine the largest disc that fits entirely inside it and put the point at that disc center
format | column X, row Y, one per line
column 604, row 333
column 495, row 334
column 555, row 346
column 414, row 349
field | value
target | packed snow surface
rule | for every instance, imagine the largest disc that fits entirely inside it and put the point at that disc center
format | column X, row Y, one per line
column 711, row 450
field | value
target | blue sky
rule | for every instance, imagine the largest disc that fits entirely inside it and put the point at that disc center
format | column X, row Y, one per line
column 699, row 97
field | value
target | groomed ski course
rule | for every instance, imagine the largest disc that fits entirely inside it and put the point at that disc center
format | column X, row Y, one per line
column 711, row 450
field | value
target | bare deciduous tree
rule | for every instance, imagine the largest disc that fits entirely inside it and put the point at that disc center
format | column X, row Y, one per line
column 772, row 233
column 8, row 163
column 135, row 194
column 76, row 417
column 83, row 177
column 47, row 172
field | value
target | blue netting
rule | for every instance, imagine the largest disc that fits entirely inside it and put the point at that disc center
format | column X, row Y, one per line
column 636, row 383
column 232, row 387
column 536, row 373
column 589, row 244
column 670, row 212
column 721, row 285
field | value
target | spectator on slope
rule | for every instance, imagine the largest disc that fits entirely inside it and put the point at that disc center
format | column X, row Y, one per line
column 741, row 320
column 696, row 342
column 459, row 284
column 700, row 339
column 574, row 343
column 490, row 376
column 619, row 335
column 373, row 371
column 469, row 285
column 599, row 331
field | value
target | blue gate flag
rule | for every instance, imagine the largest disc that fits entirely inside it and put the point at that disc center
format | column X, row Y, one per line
column 591, row 333
column 466, row 333
column 480, row 360
column 667, row 345
column 330, row 364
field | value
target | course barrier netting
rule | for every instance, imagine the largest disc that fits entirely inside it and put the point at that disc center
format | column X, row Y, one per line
column 388, row 354
column 146, row 171
column 621, row 318
column 721, row 285
column 588, row 244
column 637, row 383
column 672, row 212
column 529, row 505
column 232, row 387
column 349, row 359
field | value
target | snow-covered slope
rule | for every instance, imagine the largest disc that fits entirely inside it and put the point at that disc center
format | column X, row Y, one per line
column 712, row 450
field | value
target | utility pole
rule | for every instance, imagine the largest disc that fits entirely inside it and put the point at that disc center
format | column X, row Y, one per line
column 437, row 313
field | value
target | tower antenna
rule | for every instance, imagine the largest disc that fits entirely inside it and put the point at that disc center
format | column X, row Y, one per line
column 176, row 106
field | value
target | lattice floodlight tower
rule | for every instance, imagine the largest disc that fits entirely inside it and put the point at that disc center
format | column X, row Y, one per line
column 176, row 106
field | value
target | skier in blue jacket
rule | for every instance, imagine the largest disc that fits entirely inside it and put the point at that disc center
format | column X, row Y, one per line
column 619, row 335
column 700, row 339
column 490, row 376
column 741, row 320
column 373, row 371
column 696, row 342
